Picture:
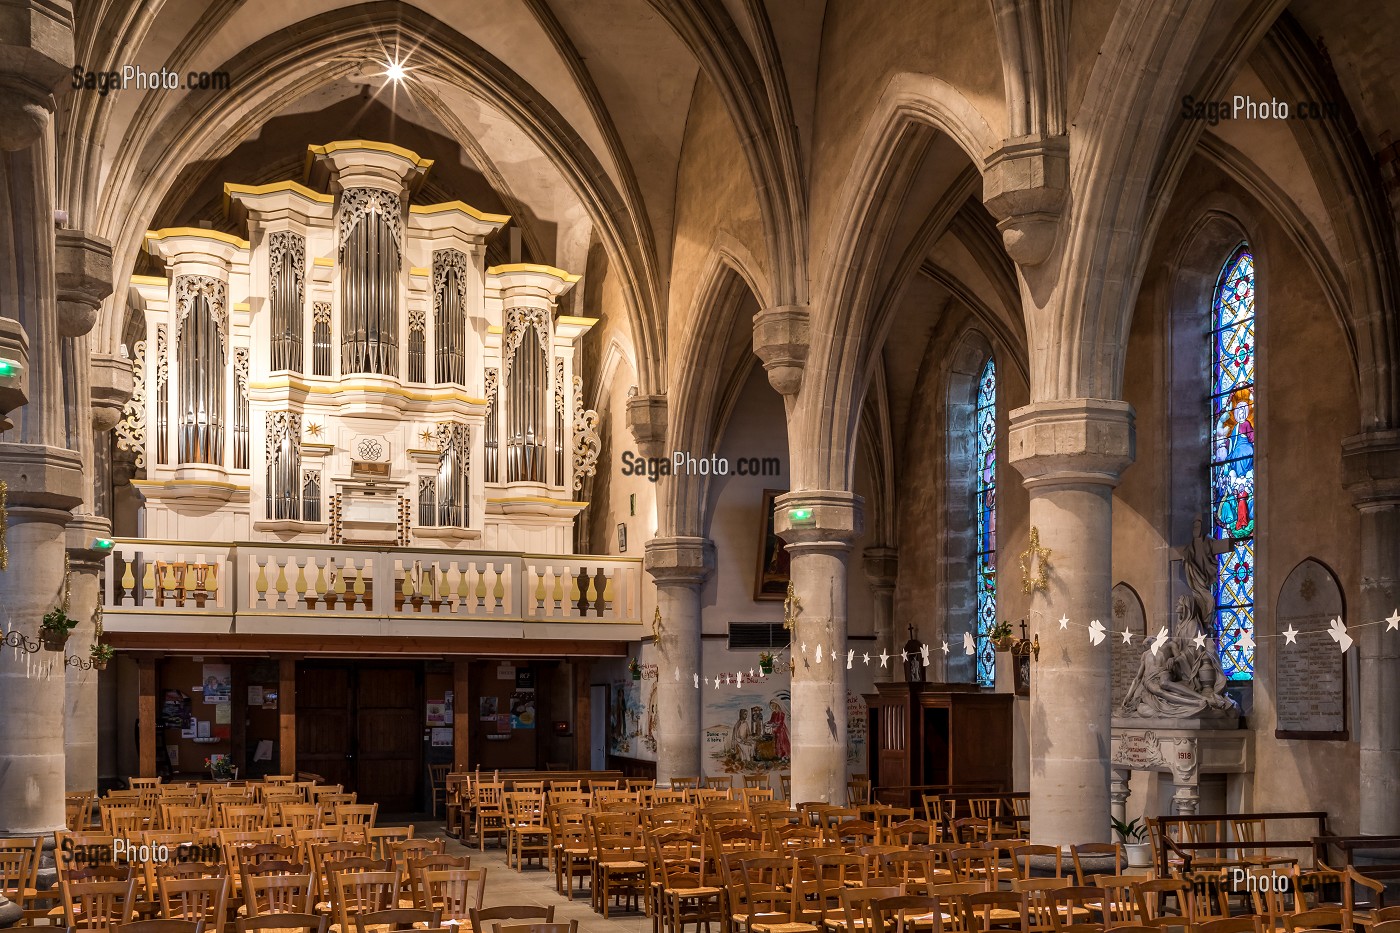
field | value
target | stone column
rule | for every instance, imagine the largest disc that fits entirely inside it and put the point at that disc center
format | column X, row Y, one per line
column 80, row 706
column 1119, row 792
column 680, row 566
column 819, row 528
column 1071, row 454
column 881, row 571
column 1371, row 473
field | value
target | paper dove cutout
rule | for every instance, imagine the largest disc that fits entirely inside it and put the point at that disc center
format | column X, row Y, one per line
column 969, row 645
column 1159, row 641
column 924, row 651
column 1338, row 631
column 850, row 659
column 819, row 654
column 1096, row 631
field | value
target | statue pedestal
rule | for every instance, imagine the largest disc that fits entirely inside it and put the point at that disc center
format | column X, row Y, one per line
column 1184, row 748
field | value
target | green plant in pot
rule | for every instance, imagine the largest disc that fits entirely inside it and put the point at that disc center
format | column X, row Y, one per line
column 635, row 668
column 100, row 654
column 1000, row 635
column 1135, row 840
column 55, row 629
column 765, row 662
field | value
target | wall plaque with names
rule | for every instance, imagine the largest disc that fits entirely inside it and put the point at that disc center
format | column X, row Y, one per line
column 1127, row 613
column 1311, row 673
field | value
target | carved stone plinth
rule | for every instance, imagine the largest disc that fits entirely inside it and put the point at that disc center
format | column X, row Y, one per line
column 1182, row 748
column 83, row 274
column 781, row 338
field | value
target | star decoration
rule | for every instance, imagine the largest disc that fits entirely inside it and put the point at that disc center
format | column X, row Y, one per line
column 1064, row 622
column 804, row 647
column 884, row 659
column 1199, row 641
column 313, row 428
column 1339, row 634
column 1247, row 640
column 740, row 681
column 1393, row 622
column 1096, row 632
column 1127, row 636
column 1040, row 559
column 1290, row 635
column 750, row 673
column 1159, row 641
column 426, row 437
column 866, row 657
column 716, row 683
column 904, row 656
column 945, row 647
column 969, row 644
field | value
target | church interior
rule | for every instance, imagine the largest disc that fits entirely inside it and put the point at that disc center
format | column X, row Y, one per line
column 656, row 446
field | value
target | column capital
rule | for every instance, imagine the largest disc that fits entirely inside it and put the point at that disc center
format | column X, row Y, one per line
column 83, row 275
column 819, row 519
column 646, row 419
column 683, row 561
column 111, row 385
column 1024, row 188
column 881, row 566
column 1371, row 469
column 79, row 536
column 14, row 384
column 781, row 338
column 41, row 478
column 1072, row 441
column 36, row 57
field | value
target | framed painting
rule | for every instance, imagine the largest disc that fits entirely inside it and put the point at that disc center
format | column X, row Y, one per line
column 774, row 567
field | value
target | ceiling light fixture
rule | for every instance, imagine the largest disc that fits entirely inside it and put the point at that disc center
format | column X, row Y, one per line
column 395, row 70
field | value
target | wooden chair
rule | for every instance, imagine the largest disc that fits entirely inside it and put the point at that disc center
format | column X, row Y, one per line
column 1210, row 896
column 858, row 908
column 989, row 909
column 19, row 869
column 908, row 913
column 357, row 818
column 382, row 839
column 1316, row 918
column 454, row 893
column 1074, row 905
column 1040, row 913
column 283, row 923
column 202, row 900
column 299, row 816
column 1152, row 896
column 490, row 814
column 569, row 927
column 397, row 918
column 480, row 917
column 779, row 911
column 99, row 905
column 1021, row 856
column 277, row 894
column 77, row 811
column 1096, row 850
column 527, row 834
column 619, row 869
column 360, row 892
column 437, row 785
column 1247, row 924
column 1120, row 903
column 417, row 867
column 161, row 925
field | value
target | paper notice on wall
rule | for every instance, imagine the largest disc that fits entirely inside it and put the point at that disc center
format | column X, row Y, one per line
column 442, row 738
column 255, row 696
column 264, row 751
column 202, row 729
column 505, row 671
column 172, row 752
column 223, row 714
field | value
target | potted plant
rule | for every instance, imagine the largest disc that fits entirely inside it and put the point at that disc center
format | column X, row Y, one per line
column 765, row 662
column 635, row 668
column 101, row 653
column 1000, row 635
column 1135, row 842
column 221, row 767
column 55, row 628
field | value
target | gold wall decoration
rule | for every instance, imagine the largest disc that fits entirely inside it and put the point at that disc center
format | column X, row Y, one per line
column 1041, row 558
column 4, row 524
column 656, row 626
column 791, row 607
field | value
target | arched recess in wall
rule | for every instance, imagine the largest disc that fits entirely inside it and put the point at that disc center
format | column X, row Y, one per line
column 960, row 541
column 1128, row 615
column 1210, row 244
column 1312, row 682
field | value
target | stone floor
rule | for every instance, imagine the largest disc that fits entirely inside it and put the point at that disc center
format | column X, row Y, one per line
column 505, row 885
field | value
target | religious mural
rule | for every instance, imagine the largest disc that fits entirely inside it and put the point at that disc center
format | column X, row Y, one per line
column 632, row 719
column 751, row 731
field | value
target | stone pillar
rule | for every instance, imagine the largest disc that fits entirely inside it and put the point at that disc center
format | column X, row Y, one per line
column 1071, row 454
column 1371, row 473
column 1119, row 792
column 680, row 566
column 819, row 528
column 881, row 571
column 80, row 706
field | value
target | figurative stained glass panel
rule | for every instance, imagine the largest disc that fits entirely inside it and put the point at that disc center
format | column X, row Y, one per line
column 1232, row 460
column 985, row 508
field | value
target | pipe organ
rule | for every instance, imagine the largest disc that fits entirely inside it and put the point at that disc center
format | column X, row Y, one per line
column 353, row 373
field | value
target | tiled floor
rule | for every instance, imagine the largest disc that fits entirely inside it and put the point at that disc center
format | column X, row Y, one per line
column 534, row 885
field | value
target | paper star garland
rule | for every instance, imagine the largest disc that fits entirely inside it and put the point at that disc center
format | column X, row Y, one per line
column 884, row 659
column 1127, row 636
column 904, row 655
column 850, row 659
column 969, row 644
column 1338, row 631
column 1199, row 641
column 1247, row 641
column 865, row 658
column 945, row 647
column 1392, row 623
column 1159, row 641
column 819, row 654
column 1096, row 632
column 1290, row 635
column 923, row 651
column 697, row 681
column 1064, row 622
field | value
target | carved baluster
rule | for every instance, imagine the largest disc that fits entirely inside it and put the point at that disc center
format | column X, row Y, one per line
column 575, row 597
column 608, row 594
column 480, row 587
column 558, row 592
column 539, row 591
column 593, row 594
column 321, row 584
column 500, row 592
column 128, row 583
column 260, row 584
column 148, row 584
column 282, row 585
column 303, row 587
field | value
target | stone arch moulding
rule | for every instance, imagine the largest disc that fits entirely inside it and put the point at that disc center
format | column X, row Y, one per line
column 275, row 71
column 1312, row 689
column 910, row 106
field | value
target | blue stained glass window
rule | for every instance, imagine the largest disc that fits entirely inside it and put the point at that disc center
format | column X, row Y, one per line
column 985, row 508
column 1232, row 460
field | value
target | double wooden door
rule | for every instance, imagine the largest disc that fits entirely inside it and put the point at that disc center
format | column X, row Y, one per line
column 361, row 726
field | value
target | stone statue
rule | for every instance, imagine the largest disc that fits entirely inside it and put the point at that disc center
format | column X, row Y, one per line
column 914, row 659
column 1199, row 559
column 1179, row 680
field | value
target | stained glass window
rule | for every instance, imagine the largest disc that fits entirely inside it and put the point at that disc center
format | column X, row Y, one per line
column 1232, row 460
column 985, row 508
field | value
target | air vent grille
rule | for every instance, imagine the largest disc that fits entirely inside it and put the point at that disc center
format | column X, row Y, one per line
column 748, row 635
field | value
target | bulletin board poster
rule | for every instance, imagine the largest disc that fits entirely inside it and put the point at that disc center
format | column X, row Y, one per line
column 522, row 709
column 218, row 683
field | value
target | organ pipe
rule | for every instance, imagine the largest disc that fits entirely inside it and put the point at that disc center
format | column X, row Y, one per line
column 286, row 262
column 369, row 292
column 203, row 367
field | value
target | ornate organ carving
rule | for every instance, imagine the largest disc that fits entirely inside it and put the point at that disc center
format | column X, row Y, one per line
column 450, row 271
column 287, row 290
column 527, row 378
column 371, row 228
column 453, row 477
column 284, row 476
column 586, row 441
column 202, row 360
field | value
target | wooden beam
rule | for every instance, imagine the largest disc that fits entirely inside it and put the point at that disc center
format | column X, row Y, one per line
column 583, row 720
column 287, row 715
column 462, row 714
column 146, row 716
column 350, row 646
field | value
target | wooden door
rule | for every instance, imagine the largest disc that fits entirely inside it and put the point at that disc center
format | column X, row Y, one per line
column 324, row 716
column 389, row 737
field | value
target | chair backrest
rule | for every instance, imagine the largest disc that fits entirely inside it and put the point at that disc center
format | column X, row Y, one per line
column 1081, row 853
column 858, row 905
column 455, row 891
column 162, row 925
column 907, row 913
column 278, row 894
column 1210, row 897
column 1246, row 924
column 99, row 905
column 1069, row 905
column 1022, row 854
column 304, row 922
column 200, row 899
column 977, row 908
column 382, row 839
column 1152, row 896
column 357, row 892
column 397, row 918
column 19, row 866
column 480, row 916
column 570, row 927
column 1319, row 917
